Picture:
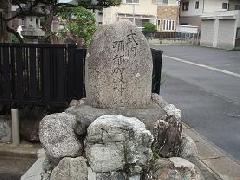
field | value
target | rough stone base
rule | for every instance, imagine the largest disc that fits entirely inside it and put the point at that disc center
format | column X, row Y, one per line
column 86, row 114
column 175, row 168
column 5, row 129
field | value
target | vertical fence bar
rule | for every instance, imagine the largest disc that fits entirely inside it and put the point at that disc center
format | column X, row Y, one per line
column 19, row 85
column 46, row 80
column 33, row 73
column 60, row 72
column 6, row 82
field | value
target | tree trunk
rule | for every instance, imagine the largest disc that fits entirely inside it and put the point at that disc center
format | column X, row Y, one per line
column 5, row 8
column 47, row 25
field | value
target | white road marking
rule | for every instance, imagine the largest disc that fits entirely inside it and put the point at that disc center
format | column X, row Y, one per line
column 204, row 66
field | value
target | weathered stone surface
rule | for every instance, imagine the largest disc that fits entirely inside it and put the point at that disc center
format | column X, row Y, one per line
column 119, row 67
column 56, row 133
column 188, row 148
column 168, row 137
column 86, row 114
column 173, row 111
column 159, row 100
column 112, row 176
column 77, row 103
column 115, row 176
column 106, row 157
column 115, row 142
column 175, row 168
column 5, row 129
column 71, row 169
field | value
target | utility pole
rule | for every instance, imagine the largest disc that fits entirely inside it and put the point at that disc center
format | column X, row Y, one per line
column 134, row 19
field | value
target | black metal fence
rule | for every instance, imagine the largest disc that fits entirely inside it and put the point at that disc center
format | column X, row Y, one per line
column 46, row 74
column 175, row 35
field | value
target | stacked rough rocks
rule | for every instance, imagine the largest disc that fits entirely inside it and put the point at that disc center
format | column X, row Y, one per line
column 120, row 131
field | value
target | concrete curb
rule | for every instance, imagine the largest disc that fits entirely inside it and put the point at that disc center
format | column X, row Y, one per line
column 211, row 158
column 22, row 150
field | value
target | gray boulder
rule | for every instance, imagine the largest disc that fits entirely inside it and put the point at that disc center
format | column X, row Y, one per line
column 171, row 110
column 188, row 148
column 111, row 175
column 116, row 143
column 175, row 168
column 71, row 169
column 56, row 133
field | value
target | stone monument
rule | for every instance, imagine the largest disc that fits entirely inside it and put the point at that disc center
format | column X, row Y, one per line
column 120, row 131
column 119, row 68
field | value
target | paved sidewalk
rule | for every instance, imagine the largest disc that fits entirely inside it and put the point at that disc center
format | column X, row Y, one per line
column 16, row 160
column 218, row 163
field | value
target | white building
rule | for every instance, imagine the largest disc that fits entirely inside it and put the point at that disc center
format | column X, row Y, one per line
column 221, row 29
column 192, row 10
column 217, row 20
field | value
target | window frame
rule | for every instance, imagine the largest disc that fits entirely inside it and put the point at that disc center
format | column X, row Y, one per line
column 168, row 25
column 185, row 6
column 132, row 2
column 237, row 7
column 197, row 5
column 225, row 4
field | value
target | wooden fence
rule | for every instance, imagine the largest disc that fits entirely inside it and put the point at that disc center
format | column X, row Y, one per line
column 40, row 73
column 46, row 74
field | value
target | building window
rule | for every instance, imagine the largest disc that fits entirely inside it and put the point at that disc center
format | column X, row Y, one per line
column 197, row 5
column 158, row 24
column 224, row 5
column 185, row 6
column 168, row 25
column 237, row 7
column 165, row 1
column 173, row 25
column 132, row 1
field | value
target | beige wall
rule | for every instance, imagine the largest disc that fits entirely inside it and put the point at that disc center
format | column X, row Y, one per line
column 145, row 7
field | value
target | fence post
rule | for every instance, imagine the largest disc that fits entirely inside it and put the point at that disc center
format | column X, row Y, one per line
column 15, row 126
column 157, row 70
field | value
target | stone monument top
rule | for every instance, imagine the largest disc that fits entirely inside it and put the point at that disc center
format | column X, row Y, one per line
column 119, row 67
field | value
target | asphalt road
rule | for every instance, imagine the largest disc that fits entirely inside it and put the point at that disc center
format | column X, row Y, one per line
column 205, row 84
